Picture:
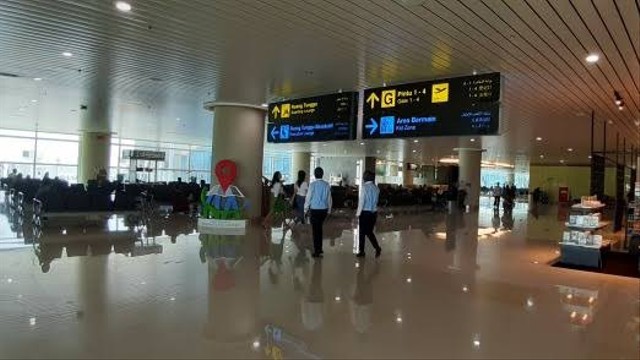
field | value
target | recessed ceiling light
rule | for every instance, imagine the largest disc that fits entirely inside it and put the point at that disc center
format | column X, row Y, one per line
column 589, row 156
column 538, row 138
column 561, row 161
column 264, row 105
column 416, row 140
column 362, row 143
column 570, row 149
column 34, row 100
column 592, row 58
column 475, row 72
column 414, row 150
column 123, row 6
column 37, row 79
column 472, row 140
column 177, row 119
column 67, row 54
column 610, row 122
column 541, row 156
column 621, row 107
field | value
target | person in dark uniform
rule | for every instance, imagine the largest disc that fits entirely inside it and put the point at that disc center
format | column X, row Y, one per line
column 368, row 213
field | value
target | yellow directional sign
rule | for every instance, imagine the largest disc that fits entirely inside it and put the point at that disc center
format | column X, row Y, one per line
column 275, row 112
column 372, row 99
column 440, row 93
column 286, row 110
column 388, row 98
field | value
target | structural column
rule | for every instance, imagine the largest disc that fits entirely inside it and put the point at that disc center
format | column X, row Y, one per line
column 370, row 164
column 407, row 175
column 301, row 161
column 469, row 174
column 94, row 155
column 238, row 135
column 95, row 140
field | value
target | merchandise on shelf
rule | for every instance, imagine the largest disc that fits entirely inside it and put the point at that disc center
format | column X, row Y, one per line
column 584, row 238
column 590, row 220
column 590, row 202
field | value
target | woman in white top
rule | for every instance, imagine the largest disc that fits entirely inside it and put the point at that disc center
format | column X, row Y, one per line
column 300, row 188
column 276, row 203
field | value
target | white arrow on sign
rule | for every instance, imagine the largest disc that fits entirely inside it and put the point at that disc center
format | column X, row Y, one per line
column 372, row 126
column 274, row 132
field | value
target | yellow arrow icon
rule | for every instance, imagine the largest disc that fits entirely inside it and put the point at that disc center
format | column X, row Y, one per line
column 372, row 99
column 275, row 112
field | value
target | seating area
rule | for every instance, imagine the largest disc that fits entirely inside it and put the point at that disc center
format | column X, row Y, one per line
column 49, row 198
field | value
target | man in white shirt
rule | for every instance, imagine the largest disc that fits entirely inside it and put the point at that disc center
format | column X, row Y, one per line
column 318, row 204
column 368, row 213
column 497, row 193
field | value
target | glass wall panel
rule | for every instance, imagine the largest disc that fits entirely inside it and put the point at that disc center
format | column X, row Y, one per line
column 13, row 149
column 57, row 152
column 68, row 173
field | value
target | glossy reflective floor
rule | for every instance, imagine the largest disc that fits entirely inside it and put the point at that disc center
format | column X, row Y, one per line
column 446, row 286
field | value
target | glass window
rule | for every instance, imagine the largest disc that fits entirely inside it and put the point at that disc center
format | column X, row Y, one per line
column 68, row 173
column 18, row 133
column 200, row 160
column 17, row 150
column 58, row 136
column 23, row 168
column 175, row 159
column 114, row 155
column 57, row 152
column 202, row 175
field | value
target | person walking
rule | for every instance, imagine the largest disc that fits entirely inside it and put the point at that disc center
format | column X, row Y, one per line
column 497, row 193
column 300, row 189
column 318, row 205
column 368, row 213
column 276, row 202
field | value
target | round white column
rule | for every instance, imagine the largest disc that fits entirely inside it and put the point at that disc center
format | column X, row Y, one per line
column 238, row 135
column 469, row 174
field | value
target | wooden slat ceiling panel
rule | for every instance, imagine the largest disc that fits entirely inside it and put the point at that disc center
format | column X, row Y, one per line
column 603, row 72
column 167, row 51
column 609, row 10
column 572, row 70
column 617, row 32
column 618, row 72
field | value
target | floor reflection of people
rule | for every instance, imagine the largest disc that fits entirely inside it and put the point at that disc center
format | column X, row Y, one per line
column 453, row 222
column 301, row 240
column 233, row 269
column 276, row 250
column 46, row 253
column 313, row 303
column 362, row 301
column 495, row 221
column 507, row 219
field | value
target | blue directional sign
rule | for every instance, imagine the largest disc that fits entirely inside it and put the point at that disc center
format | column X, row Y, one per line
column 321, row 118
column 467, row 105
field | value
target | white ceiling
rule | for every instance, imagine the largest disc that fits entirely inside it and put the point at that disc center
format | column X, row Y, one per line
column 162, row 60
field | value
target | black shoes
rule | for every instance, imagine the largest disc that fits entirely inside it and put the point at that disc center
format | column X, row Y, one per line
column 378, row 252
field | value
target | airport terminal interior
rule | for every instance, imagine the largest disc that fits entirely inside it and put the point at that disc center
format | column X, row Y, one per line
column 152, row 203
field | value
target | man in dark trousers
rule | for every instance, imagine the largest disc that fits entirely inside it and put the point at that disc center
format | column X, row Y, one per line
column 368, row 213
column 318, row 205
